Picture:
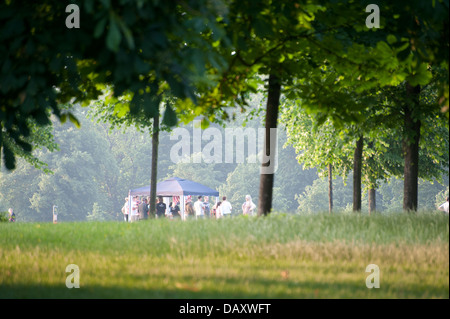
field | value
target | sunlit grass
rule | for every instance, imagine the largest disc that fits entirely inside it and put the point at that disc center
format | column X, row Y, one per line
column 283, row 256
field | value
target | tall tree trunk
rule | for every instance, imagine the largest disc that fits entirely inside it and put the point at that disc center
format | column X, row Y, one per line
column 357, row 167
column 155, row 144
column 1, row 142
column 411, row 149
column 330, row 188
column 267, row 170
column 372, row 200
column 372, row 179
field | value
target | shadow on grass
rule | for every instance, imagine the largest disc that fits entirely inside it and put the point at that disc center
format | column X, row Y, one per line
column 264, row 289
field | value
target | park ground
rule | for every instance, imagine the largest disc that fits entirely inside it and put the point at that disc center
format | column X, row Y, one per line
column 280, row 256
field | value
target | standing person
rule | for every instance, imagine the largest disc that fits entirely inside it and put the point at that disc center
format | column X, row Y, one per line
column 160, row 208
column 207, row 207
column 225, row 207
column 217, row 210
column 198, row 207
column 213, row 211
column 134, row 209
column 143, row 209
column 444, row 207
column 248, row 207
column 175, row 210
column 12, row 216
column 189, row 211
column 126, row 210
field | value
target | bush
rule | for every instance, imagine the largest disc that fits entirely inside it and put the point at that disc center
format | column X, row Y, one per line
column 4, row 217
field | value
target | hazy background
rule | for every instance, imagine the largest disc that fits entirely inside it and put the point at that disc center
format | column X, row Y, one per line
column 95, row 167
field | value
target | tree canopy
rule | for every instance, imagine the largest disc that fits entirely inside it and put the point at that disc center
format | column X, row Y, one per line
column 201, row 57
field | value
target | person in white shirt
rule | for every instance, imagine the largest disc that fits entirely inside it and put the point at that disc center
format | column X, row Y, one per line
column 199, row 209
column 134, row 209
column 225, row 207
column 126, row 209
column 444, row 207
column 248, row 208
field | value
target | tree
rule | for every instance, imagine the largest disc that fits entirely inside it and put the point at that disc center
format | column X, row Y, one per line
column 321, row 147
column 291, row 42
column 424, row 134
column 80, row 175
column 313, row 199
column 133, row 47
column 209, row 56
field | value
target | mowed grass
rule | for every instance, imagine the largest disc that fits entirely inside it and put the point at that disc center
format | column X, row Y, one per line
column 281, row 256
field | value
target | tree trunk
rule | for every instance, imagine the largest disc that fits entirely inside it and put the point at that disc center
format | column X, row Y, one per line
column 357, row 167
column 330, row 188
column 1, row 142
column 268, row 168
column 372, row 200
column 411, row 149
column 372, row 179
column 155, row 144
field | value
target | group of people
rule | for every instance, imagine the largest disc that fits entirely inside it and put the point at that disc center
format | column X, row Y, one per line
column 221, row 209
column 203, row 209
column 139, row 209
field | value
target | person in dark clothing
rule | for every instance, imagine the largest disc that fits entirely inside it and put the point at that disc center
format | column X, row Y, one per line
column 143, row 209
column 175, row 210
column 160, row 208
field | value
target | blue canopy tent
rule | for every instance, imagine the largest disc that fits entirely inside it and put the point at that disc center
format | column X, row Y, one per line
column 176, row 186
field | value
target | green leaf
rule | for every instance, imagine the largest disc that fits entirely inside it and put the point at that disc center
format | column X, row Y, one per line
column 8, row 156
column 420, row 76
column 150, row 104
column 128, row 35
column 74, row 120
column 114, row 37
column 170, row 118
column 391, row 39
column 100, row 27
column 262, row 28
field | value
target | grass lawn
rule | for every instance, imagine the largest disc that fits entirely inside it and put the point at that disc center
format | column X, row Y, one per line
column 281, row 256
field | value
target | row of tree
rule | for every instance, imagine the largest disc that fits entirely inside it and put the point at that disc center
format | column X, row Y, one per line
column 89, row 177
column 201, row 57
column 376, row 148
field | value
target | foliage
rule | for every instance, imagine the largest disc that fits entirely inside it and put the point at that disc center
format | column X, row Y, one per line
column 98, row 214
column 117, row 160
column 316, row 145
column 315, row 197
column 4, row 217
column 134, row 47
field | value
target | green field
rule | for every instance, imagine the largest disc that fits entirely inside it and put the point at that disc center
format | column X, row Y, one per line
column 281, row 256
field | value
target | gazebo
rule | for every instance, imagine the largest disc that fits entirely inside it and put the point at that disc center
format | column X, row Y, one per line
column 176, row 186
